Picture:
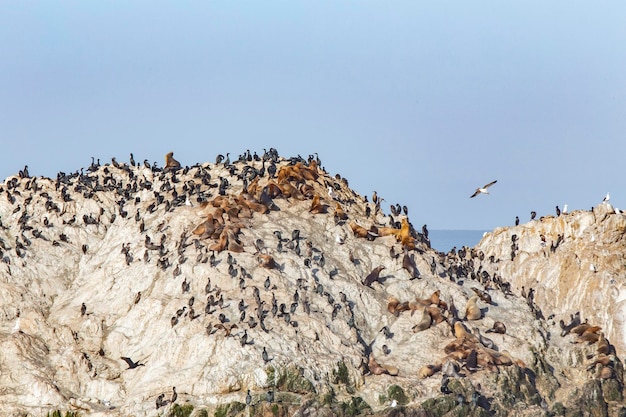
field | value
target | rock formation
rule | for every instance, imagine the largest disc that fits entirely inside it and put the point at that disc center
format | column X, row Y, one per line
column 574, row 262
column 268, row 287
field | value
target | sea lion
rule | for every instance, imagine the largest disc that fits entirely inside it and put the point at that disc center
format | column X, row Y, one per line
column 590, row 336
column 233, row 244
column 395, row 307
column 580, row 329
column 483, row 295
column 316, row 206
column 289, row 190
column 472, row 311
column 498, row 327
column 221, row 244
column 373, row 276
column 433, row 299
column 227, row 330
column 604, row 347
column 377, row 369
column 606, row 373
column 267, row 261
column 424, row 323
column 429, row 370
column 273, row 190
column 436, row 314
column 460, row 331
column 504, row 358
column 339, row 214
column 359, row 231
column 256, row 207
column 205, row 228
column 392, row 303
column 602, row 360
column 409, row 264
column 471, row 362
column 170, row 162
column 486, row 342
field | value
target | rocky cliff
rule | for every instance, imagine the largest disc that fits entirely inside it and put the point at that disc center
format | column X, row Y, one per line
column 572, row 262
column 268, row 287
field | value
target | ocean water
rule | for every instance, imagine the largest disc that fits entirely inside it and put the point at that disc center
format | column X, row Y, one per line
column 444, row 240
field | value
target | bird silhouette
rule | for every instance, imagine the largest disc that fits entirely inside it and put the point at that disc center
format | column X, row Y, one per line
column 131, row 364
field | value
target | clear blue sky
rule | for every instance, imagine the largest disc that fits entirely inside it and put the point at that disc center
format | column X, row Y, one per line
column 421, row 101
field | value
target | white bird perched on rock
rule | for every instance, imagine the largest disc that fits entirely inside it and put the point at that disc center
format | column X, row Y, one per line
column 332, row 193
column 606, row 198
column 483, row 189
column 16, row 327
column 564, row 211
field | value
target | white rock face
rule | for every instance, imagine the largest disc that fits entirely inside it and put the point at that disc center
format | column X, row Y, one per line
column 113, row 264
column 586, row 272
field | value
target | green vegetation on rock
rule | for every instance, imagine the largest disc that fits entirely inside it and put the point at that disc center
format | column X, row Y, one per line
column 395, row 392
column 356, row 406
column 329, row 396
column 230, row 409
column 340, row 375
column 180, row 410
column 439, row 406
column 290, row 379
column 58, row 413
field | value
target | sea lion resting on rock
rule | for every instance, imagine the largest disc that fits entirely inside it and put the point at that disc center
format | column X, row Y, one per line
column 472, row 311
column 170, row 162
column 377, row 369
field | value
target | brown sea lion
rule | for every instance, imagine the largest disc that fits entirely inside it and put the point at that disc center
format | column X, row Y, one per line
column 606, row 373
column 436, row 314
column 359, row 231
column 604, row 347
column 221, row 244
column 498, row 327
column 316, row 205
column 266, row 261
column 460, row 331
column 377, row 369
column 339, row 214
column 429, row 370
column 170, row 162
column 472, row 311
column 424, row 323
column 484, row 295
column 233, row 245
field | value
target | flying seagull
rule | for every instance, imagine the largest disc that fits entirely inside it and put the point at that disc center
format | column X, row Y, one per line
column 483, row 190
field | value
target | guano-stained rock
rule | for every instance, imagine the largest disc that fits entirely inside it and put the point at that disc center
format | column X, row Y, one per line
column 216, row 279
